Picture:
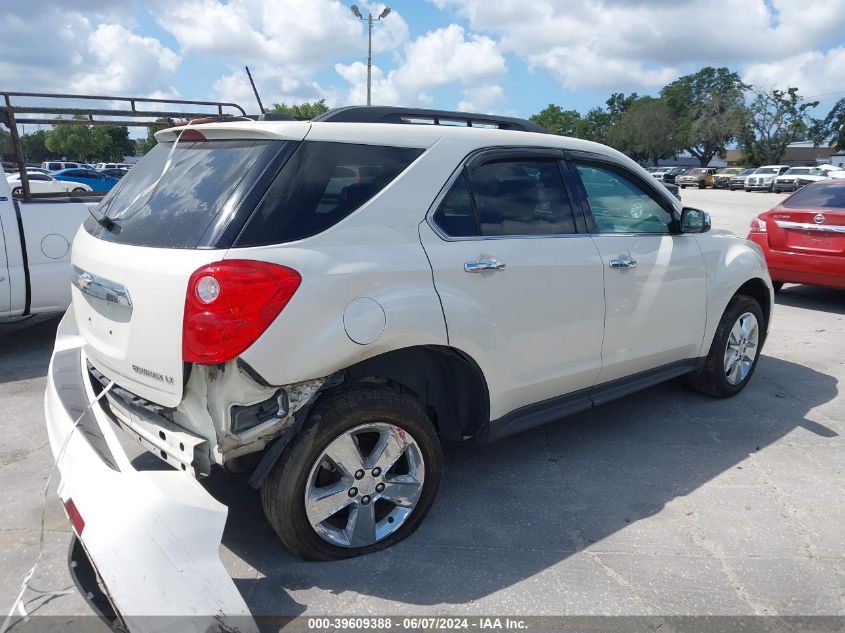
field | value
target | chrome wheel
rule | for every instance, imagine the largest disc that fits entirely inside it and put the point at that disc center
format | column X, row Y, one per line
column 741, row 349
column 364, row 485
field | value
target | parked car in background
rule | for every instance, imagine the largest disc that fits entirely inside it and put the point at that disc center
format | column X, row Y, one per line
column 820, row 172
column 738, row 181
column 91, row 177
column 786, row 181
column 700, row 177
column 115, row 172
column 58, row 165
column 722, row 178
column 803, row 237
column 657, row 172
column 102, row 166
column 763, row 177
column 43, row 183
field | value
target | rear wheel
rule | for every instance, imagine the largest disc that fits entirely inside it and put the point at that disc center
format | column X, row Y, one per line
column 78, row 190
column 360, row 477
column 735, row 350
column 17, row 192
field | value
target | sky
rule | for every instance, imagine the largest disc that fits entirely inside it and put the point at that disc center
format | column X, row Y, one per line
column 501, row 56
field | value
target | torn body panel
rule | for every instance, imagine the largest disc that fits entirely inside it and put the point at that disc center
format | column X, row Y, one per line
column 153, row 536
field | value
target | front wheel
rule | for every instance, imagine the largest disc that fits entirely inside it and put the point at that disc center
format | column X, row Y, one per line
column 361, row 475
column 702, row 185
column 78, row 190
column 735, row 350
column 17, row 192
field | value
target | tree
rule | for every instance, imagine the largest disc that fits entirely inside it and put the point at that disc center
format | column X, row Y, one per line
column 306, row 110
column 710, row 109
column 78, row 141
column 832, row 127
column 120, row 144
column 645, row 131
column 596, row 125
column 34, row 146
column 5, row 144
column 558, row 121
column 776, row 119
column 145, row 145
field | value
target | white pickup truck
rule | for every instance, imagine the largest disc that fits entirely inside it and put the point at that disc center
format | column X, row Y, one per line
column 35, row 238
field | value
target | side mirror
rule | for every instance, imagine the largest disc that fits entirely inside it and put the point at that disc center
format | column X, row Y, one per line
column 694, row 220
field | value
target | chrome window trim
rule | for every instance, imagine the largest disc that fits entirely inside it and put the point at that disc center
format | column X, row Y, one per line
column 429, row 216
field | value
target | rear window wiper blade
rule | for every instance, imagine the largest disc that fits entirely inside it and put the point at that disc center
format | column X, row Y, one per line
column 103, row 220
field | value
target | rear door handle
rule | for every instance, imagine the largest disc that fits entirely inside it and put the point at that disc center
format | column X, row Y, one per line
column 485, row 264
column 625, row 262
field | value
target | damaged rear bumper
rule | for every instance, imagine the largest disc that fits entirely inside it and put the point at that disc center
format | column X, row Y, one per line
column 152, row 536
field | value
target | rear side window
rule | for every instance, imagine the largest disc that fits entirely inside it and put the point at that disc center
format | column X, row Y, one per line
column 319, row 186
column 171, row 198
column 511, row 198
column 521, row 198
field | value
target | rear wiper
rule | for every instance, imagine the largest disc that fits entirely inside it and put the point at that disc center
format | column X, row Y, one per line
column 106, row 222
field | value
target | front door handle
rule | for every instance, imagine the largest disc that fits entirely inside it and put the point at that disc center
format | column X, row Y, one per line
column 484, row 264
column 623, row 262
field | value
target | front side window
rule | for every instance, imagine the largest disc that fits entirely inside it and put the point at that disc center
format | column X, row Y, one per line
column 320, row 185
column 619, row 204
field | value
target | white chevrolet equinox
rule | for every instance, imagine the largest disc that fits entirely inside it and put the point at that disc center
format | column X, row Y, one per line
column 318, row 305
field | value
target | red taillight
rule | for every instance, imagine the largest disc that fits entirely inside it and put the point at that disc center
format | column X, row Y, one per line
column 758, row 225
column 76, row 519
column 189, row 135
column 229, row 304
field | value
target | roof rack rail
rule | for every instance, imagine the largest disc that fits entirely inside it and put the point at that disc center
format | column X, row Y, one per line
column 391, row 114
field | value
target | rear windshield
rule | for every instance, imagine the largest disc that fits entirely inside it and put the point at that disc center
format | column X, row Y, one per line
column 321, row 184
column 820, row 196
column 171, row 198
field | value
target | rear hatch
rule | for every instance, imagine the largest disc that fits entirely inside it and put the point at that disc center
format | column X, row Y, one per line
column 176, row 211
column 810, row 221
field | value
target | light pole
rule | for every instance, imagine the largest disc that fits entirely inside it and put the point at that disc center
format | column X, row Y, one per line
column 357, row 13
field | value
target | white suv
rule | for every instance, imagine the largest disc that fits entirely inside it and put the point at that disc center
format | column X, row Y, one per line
column 320, row 304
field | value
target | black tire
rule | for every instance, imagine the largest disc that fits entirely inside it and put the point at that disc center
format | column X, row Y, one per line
column 283, row 492
column 702, row 185
column 78, row 190
column 683, row 186
column 711, row 379
column 17, row 192
column 778, row 285
column 747, row 190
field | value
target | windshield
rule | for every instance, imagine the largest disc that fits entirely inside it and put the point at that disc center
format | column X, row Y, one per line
column 795, row 171
column 697, row 172
column 172, row 196
column 767, row 170
column 819, row 196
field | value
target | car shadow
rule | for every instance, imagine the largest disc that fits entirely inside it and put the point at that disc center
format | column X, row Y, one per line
column 812, row 298
column 26, row 346
column 509, row 510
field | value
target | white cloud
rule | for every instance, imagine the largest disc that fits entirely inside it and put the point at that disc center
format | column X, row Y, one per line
column 441, row 57
column 814, row 73
column 483, row 98
column 618, row 44
column 59, row 49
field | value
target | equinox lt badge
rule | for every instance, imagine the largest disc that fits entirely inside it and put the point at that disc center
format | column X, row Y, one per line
column 152, row 374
